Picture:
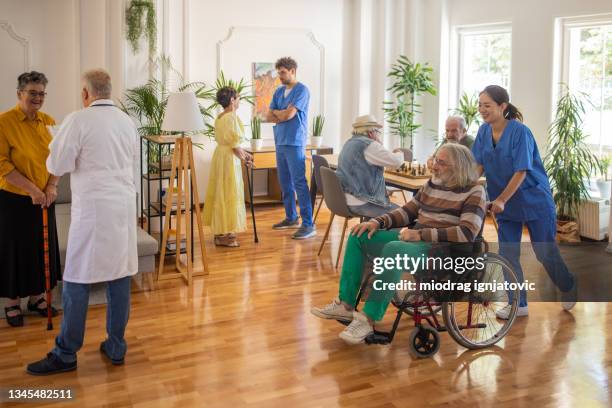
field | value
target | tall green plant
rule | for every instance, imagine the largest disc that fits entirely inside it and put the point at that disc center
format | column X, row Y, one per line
column 209, row 94
column 255, row 128
column 135, row 30
column 569, row 161
column 409, row 80
column 317, row 125
column 468, row 109
column 147, row 105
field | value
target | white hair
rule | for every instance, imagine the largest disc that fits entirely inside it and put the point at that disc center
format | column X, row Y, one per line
column 464, row 165
column 459, row 119
column 98, row 83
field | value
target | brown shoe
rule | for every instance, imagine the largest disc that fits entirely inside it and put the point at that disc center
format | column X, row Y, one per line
column 226, row 240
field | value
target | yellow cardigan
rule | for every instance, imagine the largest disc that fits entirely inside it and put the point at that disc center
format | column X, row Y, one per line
column 24, row 146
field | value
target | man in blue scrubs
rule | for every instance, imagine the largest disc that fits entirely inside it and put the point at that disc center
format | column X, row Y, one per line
column 289, row 112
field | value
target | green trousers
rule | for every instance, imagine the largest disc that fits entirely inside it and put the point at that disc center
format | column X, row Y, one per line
column 383, row 244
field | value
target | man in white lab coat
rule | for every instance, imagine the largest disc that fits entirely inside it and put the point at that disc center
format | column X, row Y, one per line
column 99, row 146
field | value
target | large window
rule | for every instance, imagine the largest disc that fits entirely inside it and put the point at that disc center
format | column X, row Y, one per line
column 484, row 58
column 589, row 69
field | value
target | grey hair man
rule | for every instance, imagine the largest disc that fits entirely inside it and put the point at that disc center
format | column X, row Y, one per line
column 99, row 147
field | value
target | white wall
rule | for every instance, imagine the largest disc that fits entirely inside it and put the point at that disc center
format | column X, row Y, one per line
column 65, row 37
column 52, row 50
column 209, row 22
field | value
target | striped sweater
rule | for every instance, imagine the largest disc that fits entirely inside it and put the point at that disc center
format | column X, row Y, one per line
column 442, row 214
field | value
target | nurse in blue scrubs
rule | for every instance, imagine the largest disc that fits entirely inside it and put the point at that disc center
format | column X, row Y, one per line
column 520, row 194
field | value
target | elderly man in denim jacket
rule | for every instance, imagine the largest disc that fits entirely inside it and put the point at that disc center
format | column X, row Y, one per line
column 361, row 169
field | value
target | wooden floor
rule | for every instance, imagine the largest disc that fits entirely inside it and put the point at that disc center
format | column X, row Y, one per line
column 244, row 336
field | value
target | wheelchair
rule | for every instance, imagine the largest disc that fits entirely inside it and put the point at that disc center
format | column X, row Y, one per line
column 470, row 319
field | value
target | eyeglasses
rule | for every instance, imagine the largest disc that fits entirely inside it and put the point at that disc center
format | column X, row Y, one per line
column 440, row 162
column 34, row 94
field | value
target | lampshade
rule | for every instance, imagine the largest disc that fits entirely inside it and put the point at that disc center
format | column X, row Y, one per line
column 182, row 113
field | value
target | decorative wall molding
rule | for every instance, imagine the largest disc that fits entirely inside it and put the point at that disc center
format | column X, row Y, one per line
column 280, row 32
column 23, row 41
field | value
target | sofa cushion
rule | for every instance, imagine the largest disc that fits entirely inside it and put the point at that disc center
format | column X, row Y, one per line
column 63, row 190
column 147, row 245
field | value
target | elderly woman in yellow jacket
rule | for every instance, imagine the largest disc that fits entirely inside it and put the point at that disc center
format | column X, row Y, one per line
column 25, row 187
column 224, row 208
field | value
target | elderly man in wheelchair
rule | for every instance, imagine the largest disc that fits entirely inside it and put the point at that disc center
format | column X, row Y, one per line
column 450, row 208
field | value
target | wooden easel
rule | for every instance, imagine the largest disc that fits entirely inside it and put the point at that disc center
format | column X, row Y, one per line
column 183, row 168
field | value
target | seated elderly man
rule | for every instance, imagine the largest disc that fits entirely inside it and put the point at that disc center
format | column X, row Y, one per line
column 361, row 169
column 449, row 208
column 455, row 132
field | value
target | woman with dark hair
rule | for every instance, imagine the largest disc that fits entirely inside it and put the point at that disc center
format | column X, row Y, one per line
column 25, row 187
column 518, row 186
column 224, row 208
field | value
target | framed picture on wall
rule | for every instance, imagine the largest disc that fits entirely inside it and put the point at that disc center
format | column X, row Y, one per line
column 265, row 82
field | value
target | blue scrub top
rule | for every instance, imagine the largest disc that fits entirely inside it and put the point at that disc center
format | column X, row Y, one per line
column 516, row 150
column 292, row 132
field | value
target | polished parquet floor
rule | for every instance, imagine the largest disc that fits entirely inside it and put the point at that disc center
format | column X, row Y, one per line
column 244, row 336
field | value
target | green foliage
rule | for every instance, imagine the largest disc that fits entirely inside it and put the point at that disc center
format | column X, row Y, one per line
column 569, row 161
column 468, row 109
column 409, row 81
column 604, row 166
column 317, row 125
column 134, row 13
column 209, row 94
column 255, row 128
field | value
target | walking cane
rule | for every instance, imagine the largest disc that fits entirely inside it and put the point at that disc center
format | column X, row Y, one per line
column 47, row 271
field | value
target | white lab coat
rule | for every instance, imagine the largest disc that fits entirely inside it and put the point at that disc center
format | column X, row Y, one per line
column 99, row 146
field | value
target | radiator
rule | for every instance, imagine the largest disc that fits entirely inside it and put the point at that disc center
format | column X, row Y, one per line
column 593, row 217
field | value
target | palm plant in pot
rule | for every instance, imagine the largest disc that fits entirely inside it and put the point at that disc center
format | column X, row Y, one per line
column 256, row 140
column 409, row 81
column 569, row 162
column 468, row 109
column 317, row 130
column 603, row 183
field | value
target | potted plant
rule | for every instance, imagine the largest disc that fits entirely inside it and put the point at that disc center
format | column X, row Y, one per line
column 256, row 140
column 209, row 94
column 468, row 109
column 604, row 184
column 409, row 81
column 135, row 29
column 317, row 129
column 569, row 162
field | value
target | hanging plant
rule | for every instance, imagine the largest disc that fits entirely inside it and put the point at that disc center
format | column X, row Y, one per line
column 134, row 13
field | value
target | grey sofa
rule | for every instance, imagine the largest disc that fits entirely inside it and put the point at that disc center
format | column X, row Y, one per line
column 147, row 245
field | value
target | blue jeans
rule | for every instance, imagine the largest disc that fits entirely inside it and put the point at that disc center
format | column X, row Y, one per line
column 291, row 165
column 75, row 298
column 542, row 233
column 371, row 210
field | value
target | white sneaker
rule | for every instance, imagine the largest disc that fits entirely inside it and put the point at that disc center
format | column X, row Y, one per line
column 358, row 330
column 335, row 310
column 568, row 299
column 505, row 312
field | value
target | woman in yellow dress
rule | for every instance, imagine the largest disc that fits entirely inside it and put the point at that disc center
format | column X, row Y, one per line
column 224, row 209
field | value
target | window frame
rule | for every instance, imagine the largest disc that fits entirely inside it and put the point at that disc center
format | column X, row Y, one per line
column 567, row 24
column 459, row 33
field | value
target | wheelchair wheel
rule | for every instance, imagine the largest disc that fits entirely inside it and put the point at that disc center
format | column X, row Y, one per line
column 424, row 341
column 473, row 323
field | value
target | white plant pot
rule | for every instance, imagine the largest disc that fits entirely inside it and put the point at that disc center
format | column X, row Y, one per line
column 604, row 188
column 256, row 144
column 316, row 140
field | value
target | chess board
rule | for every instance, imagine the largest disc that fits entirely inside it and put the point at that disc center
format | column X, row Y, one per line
column 408, row 175
column 406, row 171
